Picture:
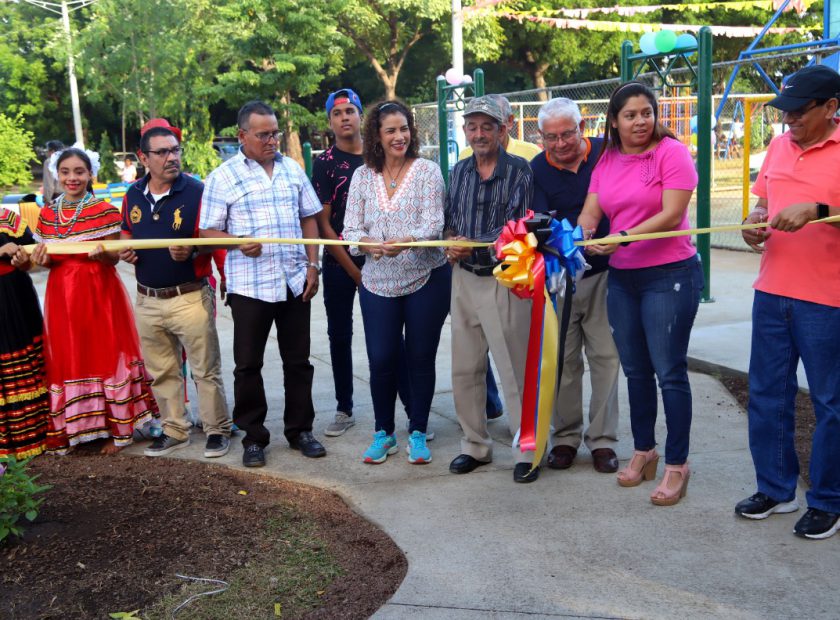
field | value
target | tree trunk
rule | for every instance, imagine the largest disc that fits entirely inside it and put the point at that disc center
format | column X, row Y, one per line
column 390, row 83
column 539, row 81
column 290, row 134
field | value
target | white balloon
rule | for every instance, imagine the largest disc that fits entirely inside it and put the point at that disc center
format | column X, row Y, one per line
column 452, row 76
column 467, row 79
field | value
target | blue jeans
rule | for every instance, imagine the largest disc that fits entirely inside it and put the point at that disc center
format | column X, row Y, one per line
column 651, row 312
column 786, row 330
column 419, row 316
column 339, row 295
column 494, row 401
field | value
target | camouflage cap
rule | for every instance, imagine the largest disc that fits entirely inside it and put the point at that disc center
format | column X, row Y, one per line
column 485, row 105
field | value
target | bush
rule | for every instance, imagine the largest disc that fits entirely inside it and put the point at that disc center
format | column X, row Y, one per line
column 17, row 495
column 16, row 152
column 107, row 169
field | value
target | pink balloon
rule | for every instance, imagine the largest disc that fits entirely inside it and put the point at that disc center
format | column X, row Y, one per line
column 452, row 77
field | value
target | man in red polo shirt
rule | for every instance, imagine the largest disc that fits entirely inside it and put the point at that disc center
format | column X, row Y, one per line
column 796, row 311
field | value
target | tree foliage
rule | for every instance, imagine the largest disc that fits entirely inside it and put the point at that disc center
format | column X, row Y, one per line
column 107, row 167
column 16, row 152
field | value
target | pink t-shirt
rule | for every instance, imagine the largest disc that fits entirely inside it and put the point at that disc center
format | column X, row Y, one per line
column 629, row 189
column 804, row 264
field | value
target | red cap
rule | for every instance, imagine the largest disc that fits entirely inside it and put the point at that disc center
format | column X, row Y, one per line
column 160, row 122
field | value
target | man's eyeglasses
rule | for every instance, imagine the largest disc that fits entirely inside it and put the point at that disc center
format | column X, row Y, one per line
column 797, row 114
column 266, row 136
column 175, row 151
column 566, row 136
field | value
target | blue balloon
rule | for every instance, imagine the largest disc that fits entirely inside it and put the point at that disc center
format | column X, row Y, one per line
column 693, row 124
column 648, row 44
column 684, row 41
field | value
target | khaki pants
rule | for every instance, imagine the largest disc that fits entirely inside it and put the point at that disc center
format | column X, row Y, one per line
column 165, row 325
column 589, row 329
column 486, row 314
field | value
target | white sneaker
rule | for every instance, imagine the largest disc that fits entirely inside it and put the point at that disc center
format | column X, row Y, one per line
column 340, row 425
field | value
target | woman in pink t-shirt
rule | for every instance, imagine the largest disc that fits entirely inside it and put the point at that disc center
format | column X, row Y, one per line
column 643, row 183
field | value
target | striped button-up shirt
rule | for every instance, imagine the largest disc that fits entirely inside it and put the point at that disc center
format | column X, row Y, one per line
column 240, row 199
column 478, row 209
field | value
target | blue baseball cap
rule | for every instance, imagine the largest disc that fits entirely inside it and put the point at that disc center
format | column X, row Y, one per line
column 344, row 95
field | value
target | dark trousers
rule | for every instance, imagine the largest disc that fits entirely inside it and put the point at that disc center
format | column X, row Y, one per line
column 339, row 295
column 252, row 320
column 420, row 315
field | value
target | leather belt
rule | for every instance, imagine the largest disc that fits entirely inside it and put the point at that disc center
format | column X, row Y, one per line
column 171, row 291
column 479, row 270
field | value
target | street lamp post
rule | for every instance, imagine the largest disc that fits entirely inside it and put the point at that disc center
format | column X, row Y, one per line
column 64, row 8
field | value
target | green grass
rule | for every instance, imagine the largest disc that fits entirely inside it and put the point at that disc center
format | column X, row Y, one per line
column 286, row 580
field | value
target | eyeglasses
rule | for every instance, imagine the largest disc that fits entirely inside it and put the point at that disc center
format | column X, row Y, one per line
column 175, row 151
column 267, row 136
column 566, row 136
column 797, row 114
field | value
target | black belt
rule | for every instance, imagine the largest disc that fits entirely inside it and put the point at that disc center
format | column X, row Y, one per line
column 479, row 270
column 170, row 291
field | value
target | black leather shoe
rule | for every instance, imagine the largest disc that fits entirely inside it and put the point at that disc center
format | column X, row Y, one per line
column 464, row 464
column 522, row 473
column 561, row 457
column 604, row 460
column 308, row 445
column 761, row 506
column 254, row 456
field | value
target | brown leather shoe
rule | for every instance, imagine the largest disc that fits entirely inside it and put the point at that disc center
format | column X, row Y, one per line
column 604, row 460
column 561, row 457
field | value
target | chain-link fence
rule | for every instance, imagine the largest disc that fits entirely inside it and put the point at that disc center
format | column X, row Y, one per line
column 733, row 169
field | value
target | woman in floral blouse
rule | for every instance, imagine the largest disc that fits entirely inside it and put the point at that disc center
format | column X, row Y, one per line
column 398, row 197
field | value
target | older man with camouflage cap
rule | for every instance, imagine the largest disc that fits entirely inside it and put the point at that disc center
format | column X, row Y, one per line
column 486, row 190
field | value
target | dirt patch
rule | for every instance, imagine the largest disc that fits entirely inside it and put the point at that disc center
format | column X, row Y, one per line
column 738, row 386
column 114, row 531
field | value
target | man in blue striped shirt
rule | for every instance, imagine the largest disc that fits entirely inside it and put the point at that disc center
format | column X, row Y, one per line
column 486, row 190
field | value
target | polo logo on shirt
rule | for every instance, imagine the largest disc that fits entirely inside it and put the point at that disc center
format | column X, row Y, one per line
column 136, row 214
column 176, row 219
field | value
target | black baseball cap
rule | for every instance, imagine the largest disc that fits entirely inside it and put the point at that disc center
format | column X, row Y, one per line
column 812, row 82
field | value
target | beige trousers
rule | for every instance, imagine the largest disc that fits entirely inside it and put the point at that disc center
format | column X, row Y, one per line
column 589, row 330
column 486, row 314
column 165, row 325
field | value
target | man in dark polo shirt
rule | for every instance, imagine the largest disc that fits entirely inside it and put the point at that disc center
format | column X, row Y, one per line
column 561, row 182
column 175, row 305
column 486, row 190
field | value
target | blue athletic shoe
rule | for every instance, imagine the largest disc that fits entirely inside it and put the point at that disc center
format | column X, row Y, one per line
column 382, row 446
column 418, row 453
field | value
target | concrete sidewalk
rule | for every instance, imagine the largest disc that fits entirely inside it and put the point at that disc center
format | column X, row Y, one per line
column 574, row 544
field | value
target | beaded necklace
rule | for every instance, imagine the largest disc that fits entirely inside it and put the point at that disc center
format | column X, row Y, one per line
column 59, row 205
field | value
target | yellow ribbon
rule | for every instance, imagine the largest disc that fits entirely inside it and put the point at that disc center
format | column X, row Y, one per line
column 515, row 268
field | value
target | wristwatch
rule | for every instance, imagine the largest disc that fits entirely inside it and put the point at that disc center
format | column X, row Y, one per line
column 822, row 210
column 315, row 266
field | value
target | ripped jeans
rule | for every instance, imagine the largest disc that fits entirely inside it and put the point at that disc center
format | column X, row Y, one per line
column 651, row 312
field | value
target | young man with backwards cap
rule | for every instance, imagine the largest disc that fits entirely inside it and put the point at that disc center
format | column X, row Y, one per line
column 332, row 171
column 175, row 303
column 796, row 310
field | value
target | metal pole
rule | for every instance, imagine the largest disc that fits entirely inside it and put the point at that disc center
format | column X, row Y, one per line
column 71, row 70
column 478, row 82
column 626, row 64
column 745, row 197
column 457, row 37
column 307, row 158
column 443, row 134
column 704, row 153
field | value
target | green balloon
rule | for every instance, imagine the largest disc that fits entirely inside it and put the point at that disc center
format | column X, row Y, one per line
column 665, row 41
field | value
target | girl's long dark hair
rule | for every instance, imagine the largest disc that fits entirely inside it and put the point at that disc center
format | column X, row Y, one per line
column 618, row 99
column 372, row 150
column 74, row 152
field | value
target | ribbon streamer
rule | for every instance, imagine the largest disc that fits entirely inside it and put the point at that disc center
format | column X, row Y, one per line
column 536, row 252
column 83, row 247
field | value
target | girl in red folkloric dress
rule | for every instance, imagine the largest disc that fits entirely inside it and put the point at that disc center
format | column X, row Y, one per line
column 97, row 380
